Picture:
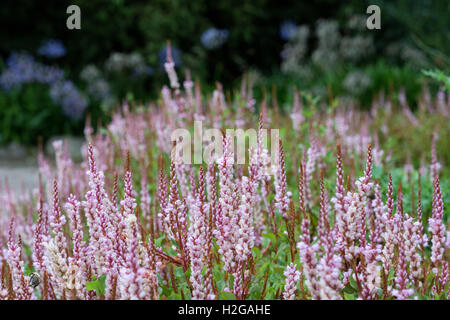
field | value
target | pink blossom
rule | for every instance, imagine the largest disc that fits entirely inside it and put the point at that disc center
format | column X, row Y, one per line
column 292, row 278
column 436, row 227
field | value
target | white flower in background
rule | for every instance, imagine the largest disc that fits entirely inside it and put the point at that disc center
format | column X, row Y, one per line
column 356, row 82
column 214, row 38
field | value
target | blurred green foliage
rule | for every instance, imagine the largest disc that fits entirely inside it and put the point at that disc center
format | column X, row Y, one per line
column 439, row 76
column 29, row 113
column 428, row 25
column 254, row 43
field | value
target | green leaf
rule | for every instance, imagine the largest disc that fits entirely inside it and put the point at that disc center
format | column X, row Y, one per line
column 353, row 283
column 349, row 289
column 278, row 269
column 174, row 296
column 103, row 131
column 178, row 271
column 227, row 296
column 99, row 285
column 257, row 252
column 439, row 76
column 159, row 241
column 28, row 268
column 270, row 236
column 91, row 285
column 349, row 296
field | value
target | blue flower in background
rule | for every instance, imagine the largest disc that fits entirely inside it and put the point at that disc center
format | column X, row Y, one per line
column 214, row 38
column 144, row 70
column 176, row 56
column 48, row 74
column 52, row 49
column 99, row 89
column 66, row 94
column 22, row 69
column 288, row 29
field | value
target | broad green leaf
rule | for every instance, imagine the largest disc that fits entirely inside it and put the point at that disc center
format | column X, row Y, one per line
column 99, row 285
column 159, row 241
column 270, row 236
column 349, row 296
column 227, row 296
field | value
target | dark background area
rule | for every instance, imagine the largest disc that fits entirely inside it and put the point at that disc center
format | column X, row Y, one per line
column 144, row 26
column 254, row 45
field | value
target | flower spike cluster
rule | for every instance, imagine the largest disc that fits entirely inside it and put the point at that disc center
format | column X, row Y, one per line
column 155, row 227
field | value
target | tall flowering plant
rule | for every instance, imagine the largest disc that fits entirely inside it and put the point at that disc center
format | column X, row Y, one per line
column 132, row 221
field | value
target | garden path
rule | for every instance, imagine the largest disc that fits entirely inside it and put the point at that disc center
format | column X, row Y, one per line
column 18, row 175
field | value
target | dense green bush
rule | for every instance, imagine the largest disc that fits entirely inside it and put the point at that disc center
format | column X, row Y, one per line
column 29, row 113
